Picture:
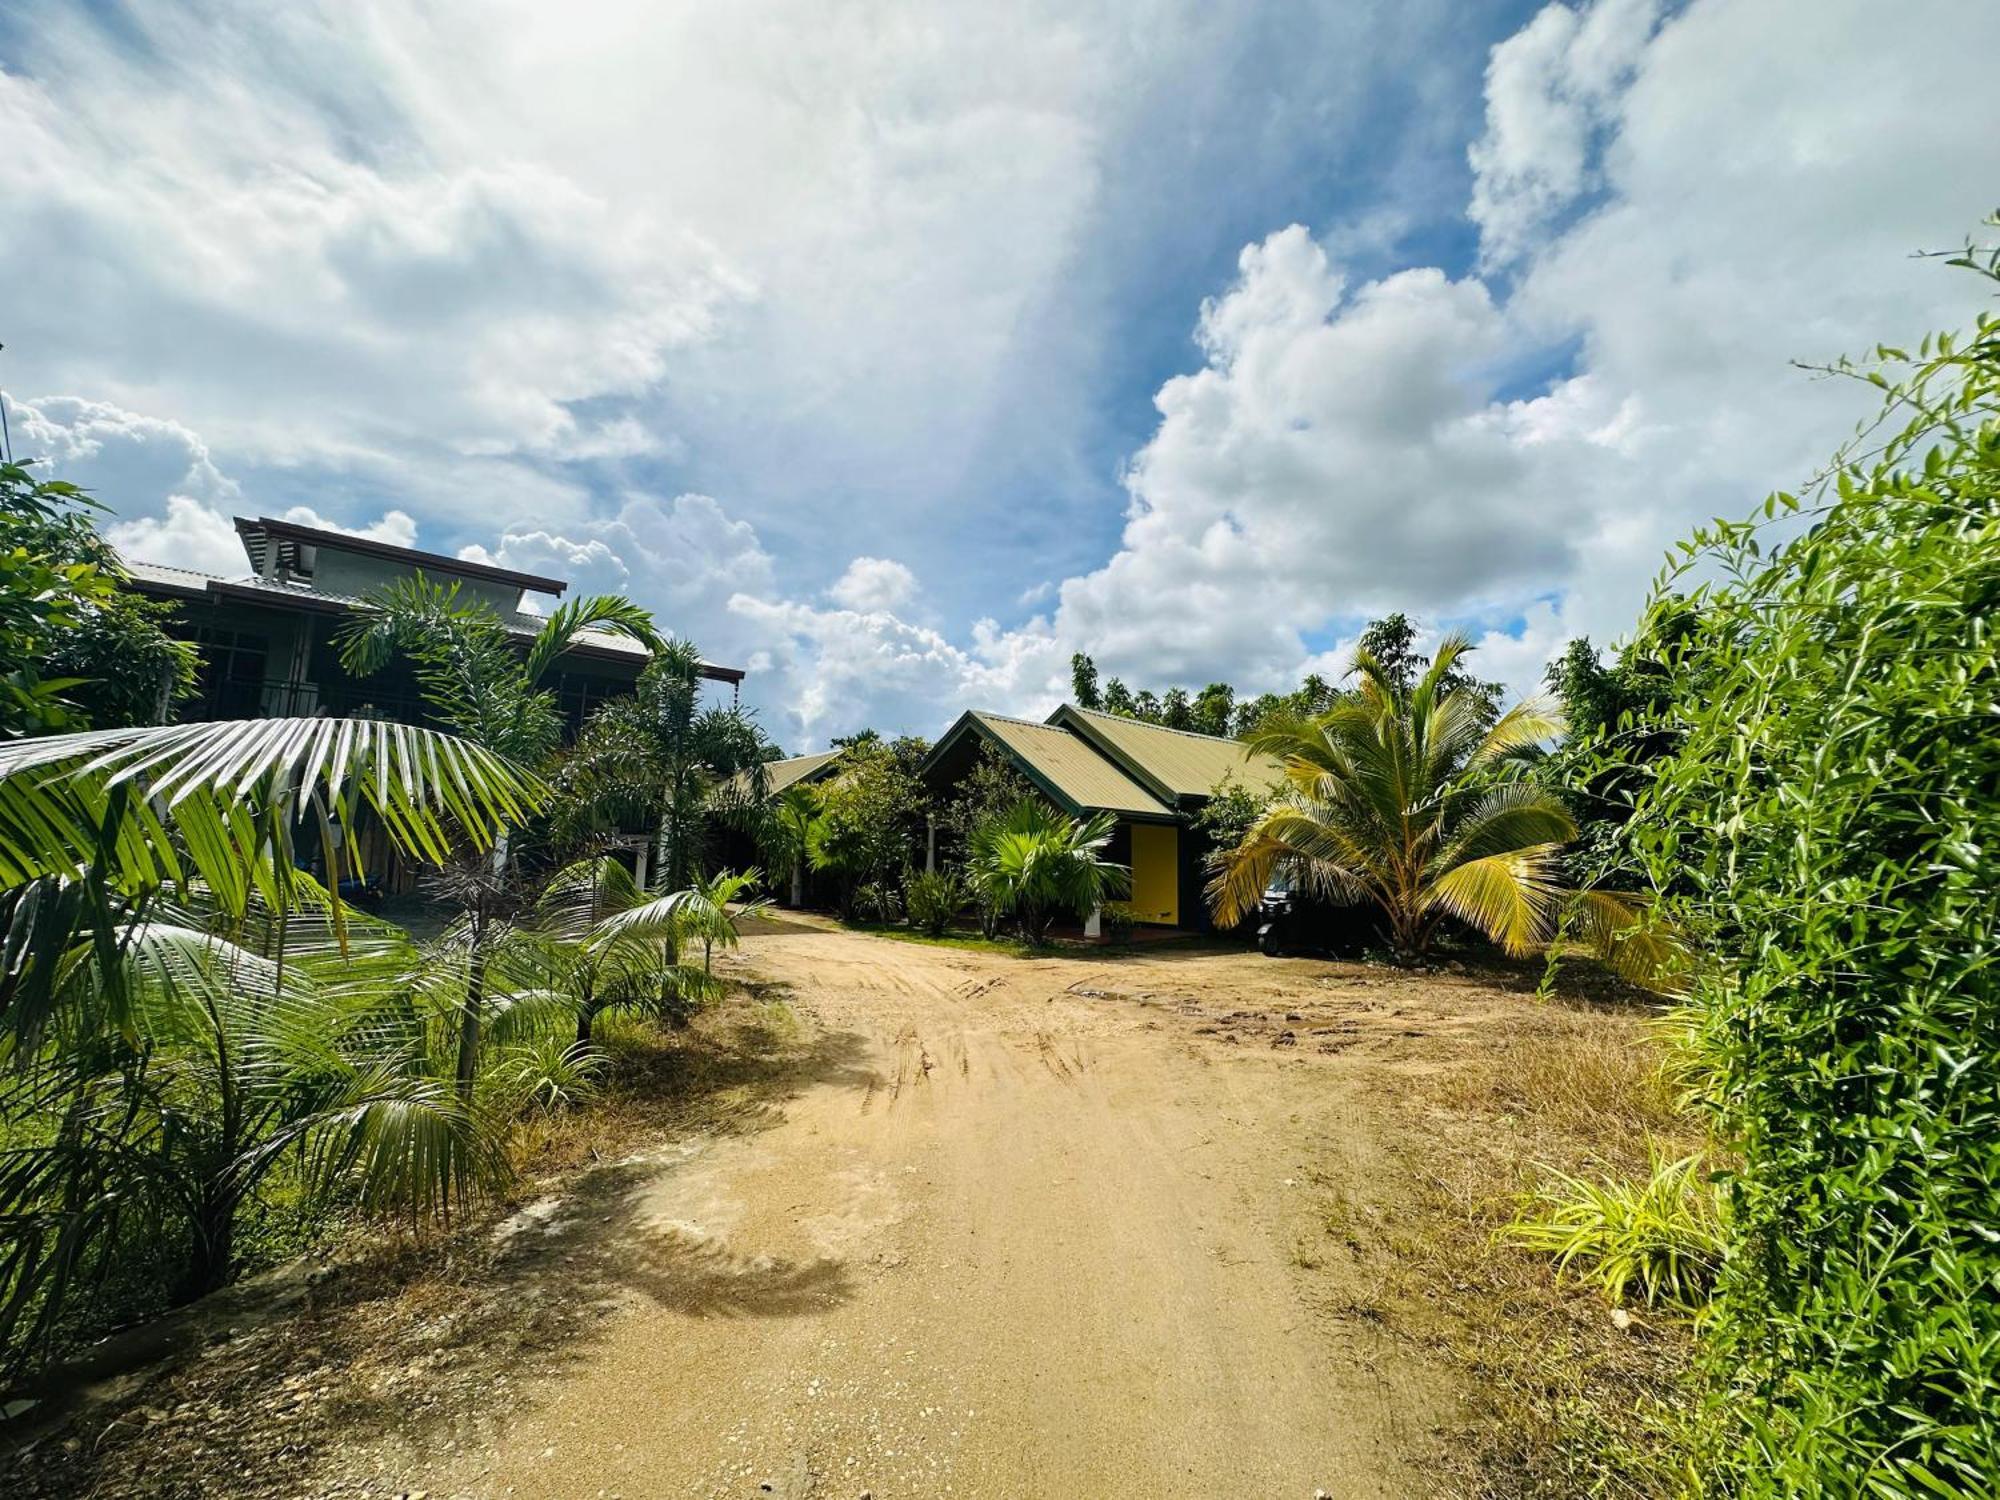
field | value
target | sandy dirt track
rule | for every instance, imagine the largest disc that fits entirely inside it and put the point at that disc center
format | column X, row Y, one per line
column 1025, row 1228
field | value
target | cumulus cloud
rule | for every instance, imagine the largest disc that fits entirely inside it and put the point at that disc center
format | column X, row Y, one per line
column 1550, row 89
column 318, row 268
column 453, row 293
column 1349, row 450
column 189, row 535
column 873, row 583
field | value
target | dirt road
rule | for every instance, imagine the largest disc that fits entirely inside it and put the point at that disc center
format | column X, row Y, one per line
column 1028, row 1228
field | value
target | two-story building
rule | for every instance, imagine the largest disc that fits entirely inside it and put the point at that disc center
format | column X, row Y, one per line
column 267, row 635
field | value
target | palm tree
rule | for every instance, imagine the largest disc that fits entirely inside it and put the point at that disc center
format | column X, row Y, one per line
column 716, row 893
column 1407, row 798
column 657, row 757
column 784, row 833
column 620, row 951
column 478, row 682
column 289, row 1047
column 475, row 677
column 1037, row 865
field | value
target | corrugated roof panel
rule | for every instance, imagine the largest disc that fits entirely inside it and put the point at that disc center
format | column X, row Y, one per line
column 780, row 774
column 1072, row 767
column 1187, row 764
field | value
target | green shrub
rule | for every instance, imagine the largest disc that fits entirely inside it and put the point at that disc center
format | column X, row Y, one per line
column 1663, row 1236
column 1118, row 920
column 934, row 899
column 878, row 901
column 1827, row 823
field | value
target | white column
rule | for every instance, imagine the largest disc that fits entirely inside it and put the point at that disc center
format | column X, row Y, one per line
column 1093, row 925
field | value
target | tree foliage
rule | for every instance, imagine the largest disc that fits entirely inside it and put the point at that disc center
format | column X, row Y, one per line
column 1826, row 818
column 77, row 651
column 1398, row 796
column 871, row 822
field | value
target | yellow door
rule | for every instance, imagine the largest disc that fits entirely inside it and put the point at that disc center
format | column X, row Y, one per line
column 1156, row 873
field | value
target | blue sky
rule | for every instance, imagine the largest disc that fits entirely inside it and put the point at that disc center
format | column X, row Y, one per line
column 897, row 350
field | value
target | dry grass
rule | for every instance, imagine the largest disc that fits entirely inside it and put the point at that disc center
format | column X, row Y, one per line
column 1564, row 1397
column 1576, row 1077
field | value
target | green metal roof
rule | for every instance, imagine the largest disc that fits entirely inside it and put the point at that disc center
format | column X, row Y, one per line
column 1069, row 767
column 780, row 774
column 1172, row 762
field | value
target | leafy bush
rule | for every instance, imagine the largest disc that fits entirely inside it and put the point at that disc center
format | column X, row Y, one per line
column 934, row 898
column 1828, row 821
column 870, row 822
column 1119, row 919
column 1663, row 1235
column 877, row 901
column 79, row 651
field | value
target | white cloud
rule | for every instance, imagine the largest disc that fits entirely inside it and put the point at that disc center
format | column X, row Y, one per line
column 1550, row 88
column 319, row 270
column 189, row 535
column 126, row 459
column 873, row 583
column 1349, row 451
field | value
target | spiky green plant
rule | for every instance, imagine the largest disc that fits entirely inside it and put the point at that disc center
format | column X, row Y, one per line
column 1036, row 865
column 935, row 898
column 1664, row 1235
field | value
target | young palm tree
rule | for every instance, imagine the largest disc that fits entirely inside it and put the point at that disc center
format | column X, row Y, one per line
column 620, row 951
column 290, row 1048
column 1036, row 865
column 479, row 683
column 1402, row 797
column 658, row 758
column 784, row 833
column 716, row 894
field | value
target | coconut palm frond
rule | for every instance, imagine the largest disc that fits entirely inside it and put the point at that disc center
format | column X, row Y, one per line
column 1625, row 931
column 1511, row 897
column 1510, row 816
column 1527, row 724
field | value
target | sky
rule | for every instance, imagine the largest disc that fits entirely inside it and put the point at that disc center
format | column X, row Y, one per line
column 896, row 351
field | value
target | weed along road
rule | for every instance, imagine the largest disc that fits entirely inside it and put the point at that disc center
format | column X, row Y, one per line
column 1019, row 1227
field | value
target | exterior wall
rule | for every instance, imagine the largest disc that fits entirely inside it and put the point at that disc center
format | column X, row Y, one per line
column 353, row 573
column 1156, row 873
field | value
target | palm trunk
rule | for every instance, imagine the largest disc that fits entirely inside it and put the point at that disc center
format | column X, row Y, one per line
column 469, row 1017
column 212, row 1253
